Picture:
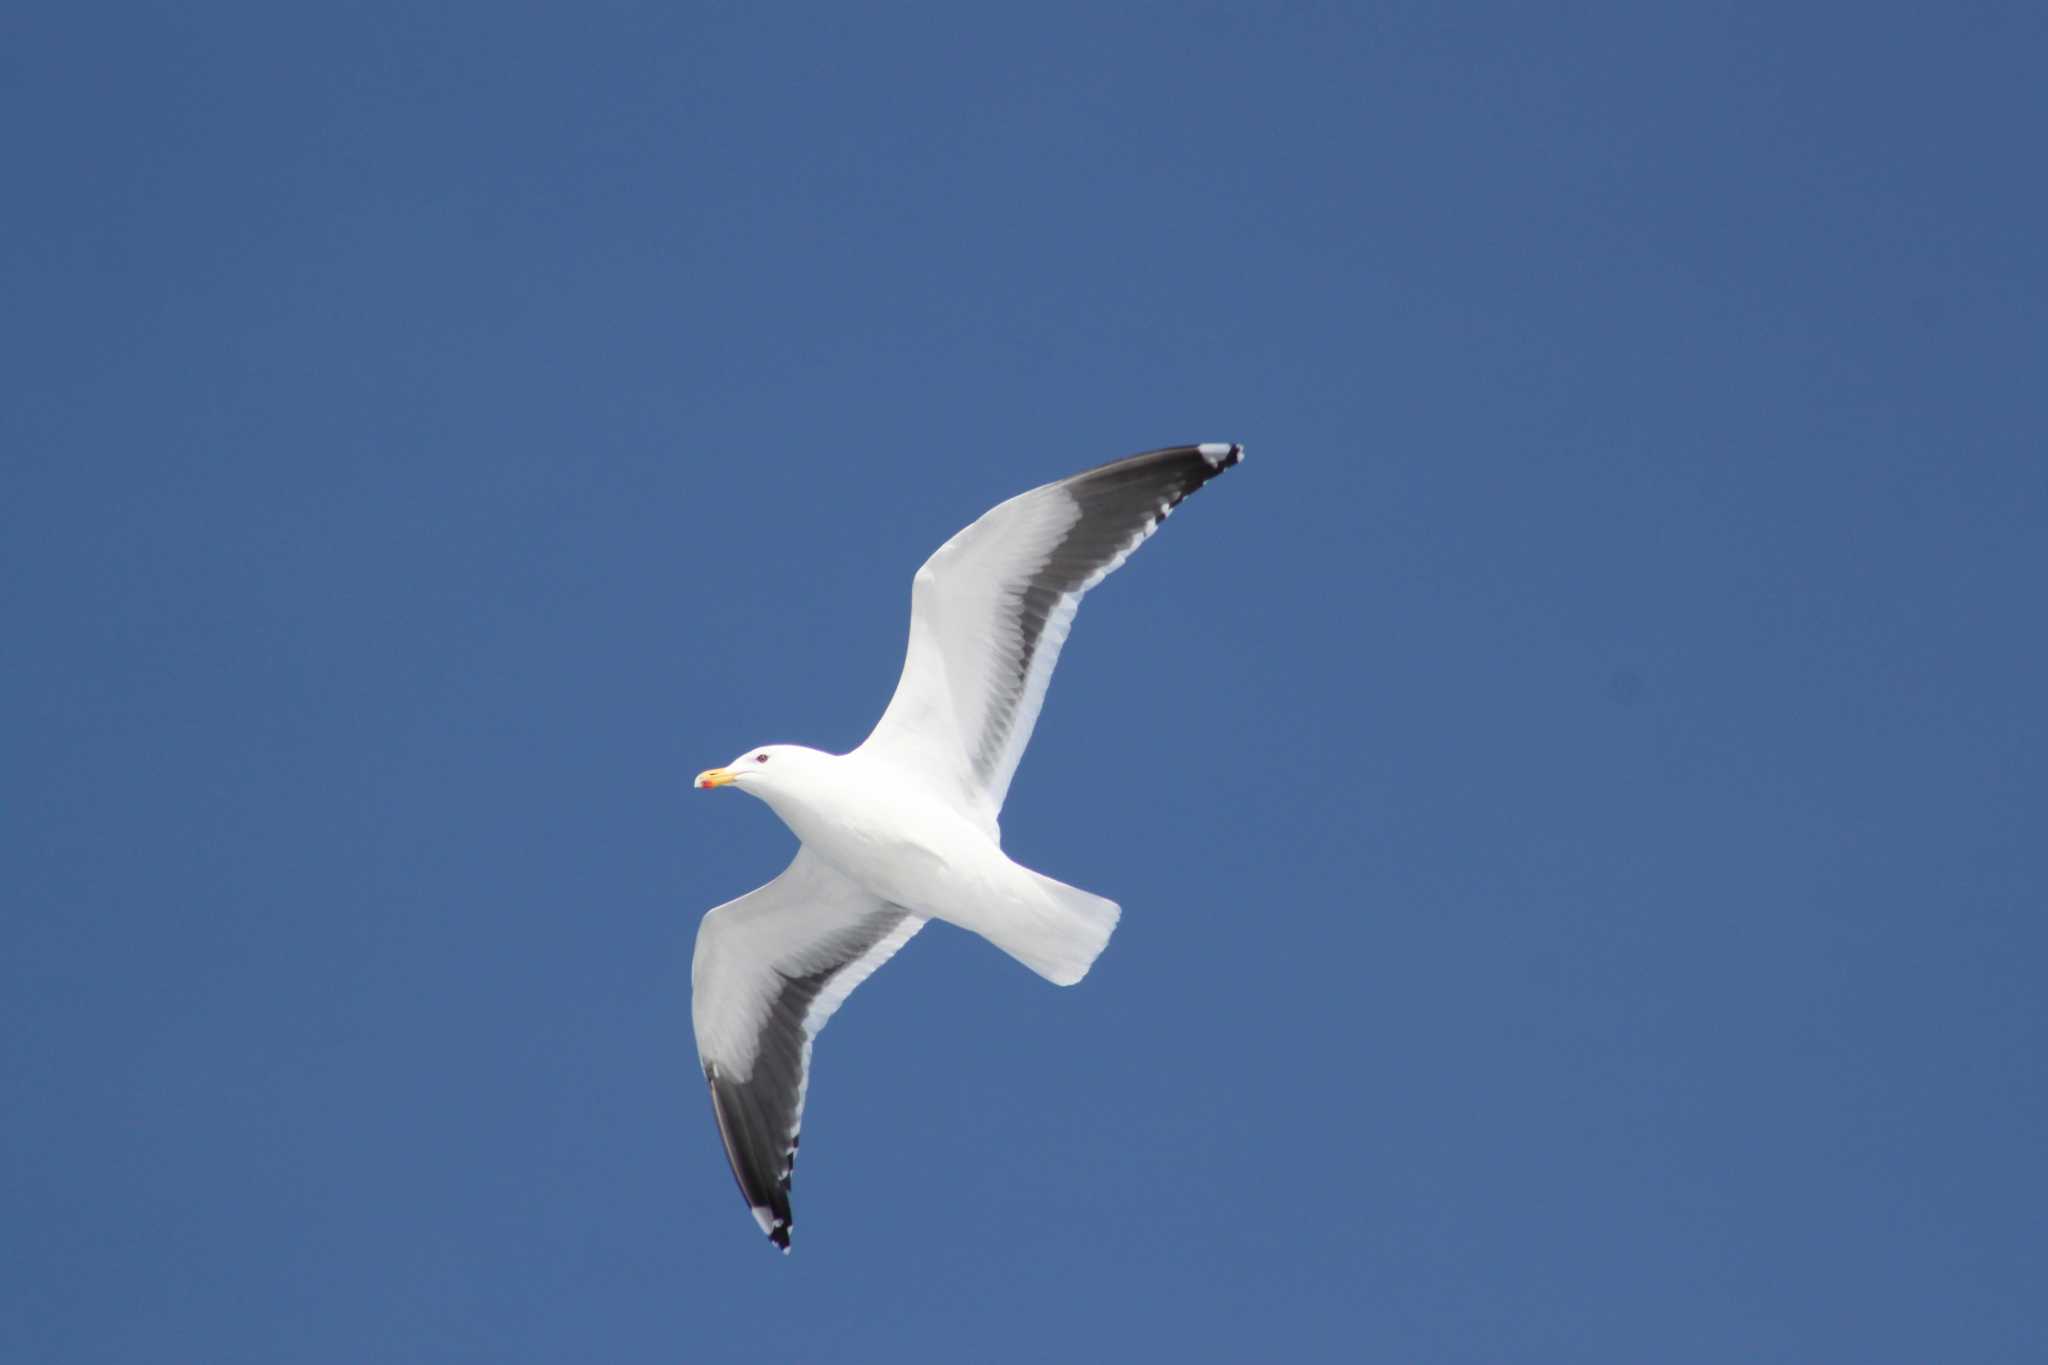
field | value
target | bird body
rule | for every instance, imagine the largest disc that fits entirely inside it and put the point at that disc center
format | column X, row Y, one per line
column 890, row 836
column 881, row 828
column 905, row 829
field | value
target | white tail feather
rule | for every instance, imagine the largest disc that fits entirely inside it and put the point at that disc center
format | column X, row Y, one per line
column 1059, row 938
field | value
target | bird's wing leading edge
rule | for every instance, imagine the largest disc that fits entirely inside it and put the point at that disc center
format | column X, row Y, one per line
column 770, row 969
column 992, row 606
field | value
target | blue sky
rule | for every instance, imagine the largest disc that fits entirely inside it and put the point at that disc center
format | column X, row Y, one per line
column 1577, row 792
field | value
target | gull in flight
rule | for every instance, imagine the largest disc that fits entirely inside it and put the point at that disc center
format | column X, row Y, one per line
column 904, row 828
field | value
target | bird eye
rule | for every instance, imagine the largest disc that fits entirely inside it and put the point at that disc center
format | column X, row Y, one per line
column 760, row 758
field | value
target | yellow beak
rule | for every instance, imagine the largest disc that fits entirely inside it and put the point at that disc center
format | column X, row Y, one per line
column 716, row 777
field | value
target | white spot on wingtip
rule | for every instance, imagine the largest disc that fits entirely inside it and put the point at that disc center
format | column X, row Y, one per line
column 763, row 1217
column 1216, row 452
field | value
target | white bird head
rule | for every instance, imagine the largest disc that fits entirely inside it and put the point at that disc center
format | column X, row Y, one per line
column 761, row 771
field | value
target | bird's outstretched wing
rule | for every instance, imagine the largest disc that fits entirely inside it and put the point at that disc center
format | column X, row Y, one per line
column 770, row 969
column 991, row 608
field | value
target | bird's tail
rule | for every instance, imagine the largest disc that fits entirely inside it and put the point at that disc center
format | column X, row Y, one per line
column 1061, row 935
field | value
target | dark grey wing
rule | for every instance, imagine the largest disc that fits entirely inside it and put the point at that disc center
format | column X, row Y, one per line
column 991, row 608
column 770, row 969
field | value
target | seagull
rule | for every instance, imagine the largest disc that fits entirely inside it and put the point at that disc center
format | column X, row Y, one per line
column 904, row 829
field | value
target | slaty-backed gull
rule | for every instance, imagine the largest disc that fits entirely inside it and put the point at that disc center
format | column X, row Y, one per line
column 904, row 828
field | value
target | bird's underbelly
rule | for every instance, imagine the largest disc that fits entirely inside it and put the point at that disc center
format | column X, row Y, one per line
column 939, row 867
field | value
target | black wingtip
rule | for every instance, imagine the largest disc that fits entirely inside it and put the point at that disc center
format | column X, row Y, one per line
column 751, row 1153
